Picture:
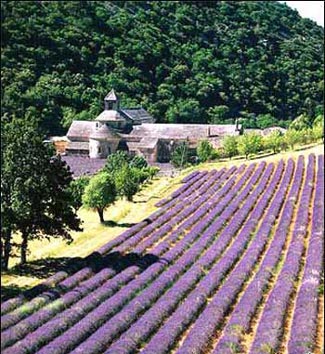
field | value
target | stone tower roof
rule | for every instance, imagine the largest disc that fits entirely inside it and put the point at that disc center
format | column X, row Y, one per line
column 110, row 116
column 111, row 96
column 104, row 133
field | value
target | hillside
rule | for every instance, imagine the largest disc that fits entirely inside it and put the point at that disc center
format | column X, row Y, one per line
column 228, row 263
column 186, row 62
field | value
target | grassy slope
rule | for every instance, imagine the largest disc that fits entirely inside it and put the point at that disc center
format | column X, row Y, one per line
column 46, row 256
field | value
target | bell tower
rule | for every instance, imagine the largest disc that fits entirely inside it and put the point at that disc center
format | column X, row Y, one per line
column 111, row 102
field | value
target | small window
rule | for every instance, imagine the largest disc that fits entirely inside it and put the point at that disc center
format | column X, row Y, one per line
column 99, row 150
column 110, row 105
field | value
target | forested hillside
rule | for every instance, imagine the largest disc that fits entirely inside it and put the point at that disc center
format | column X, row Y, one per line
column 185, row 62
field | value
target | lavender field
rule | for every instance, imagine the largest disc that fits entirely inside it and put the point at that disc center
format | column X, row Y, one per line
column 230, row 263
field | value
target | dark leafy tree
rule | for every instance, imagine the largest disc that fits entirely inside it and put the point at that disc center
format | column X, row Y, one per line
column 115, row 162
column 36, row 201
column 77, row 189
column 138, row 162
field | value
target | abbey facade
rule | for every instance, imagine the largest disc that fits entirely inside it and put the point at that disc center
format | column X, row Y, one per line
column 134, row 130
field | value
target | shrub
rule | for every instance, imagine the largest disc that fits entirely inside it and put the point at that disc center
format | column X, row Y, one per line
column 180, row 157
column 274, row 141
column 205, row 151
column 292, row 138
column 138, row 162
column 230, row 146
column 250, row 143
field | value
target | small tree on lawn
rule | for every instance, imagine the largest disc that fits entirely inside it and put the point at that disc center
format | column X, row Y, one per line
column 230, row 146
column 274, row 141
column 292, row 138
column 205, row 150
column 128, row 182
column 100, row 193
column 250, row 144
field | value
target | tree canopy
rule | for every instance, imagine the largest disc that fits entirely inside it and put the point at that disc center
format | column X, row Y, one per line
column 186, row 62
column 35, row 195
column 100, row 193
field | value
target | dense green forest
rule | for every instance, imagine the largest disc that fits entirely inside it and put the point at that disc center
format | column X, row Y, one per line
column 186, row 62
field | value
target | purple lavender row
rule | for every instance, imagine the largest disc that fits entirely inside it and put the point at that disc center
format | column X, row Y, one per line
column 54, row 280
column 203, row 210
column 196, row 211
column 12, row 318
column 164, row 339
column 148, row 323
column 130, row 313
column 153, row 217
column 192, row 182
column 211, row 318
column 240, row 319
column 69, row 283
column 270, row 327
column 185, row 187
column 13, row 303
column 230, row 183
column 174, row 216
column 304, row 325
column 190, row 176
column 34, row 321
column 78, row 332
column 177, row 197
column 159, row 217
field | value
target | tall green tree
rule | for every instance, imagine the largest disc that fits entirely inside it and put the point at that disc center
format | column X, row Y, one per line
column 292, row 137
column 100, row 193
column 35, row 199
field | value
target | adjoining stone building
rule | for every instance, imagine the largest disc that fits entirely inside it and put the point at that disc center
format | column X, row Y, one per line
column 135, row 131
